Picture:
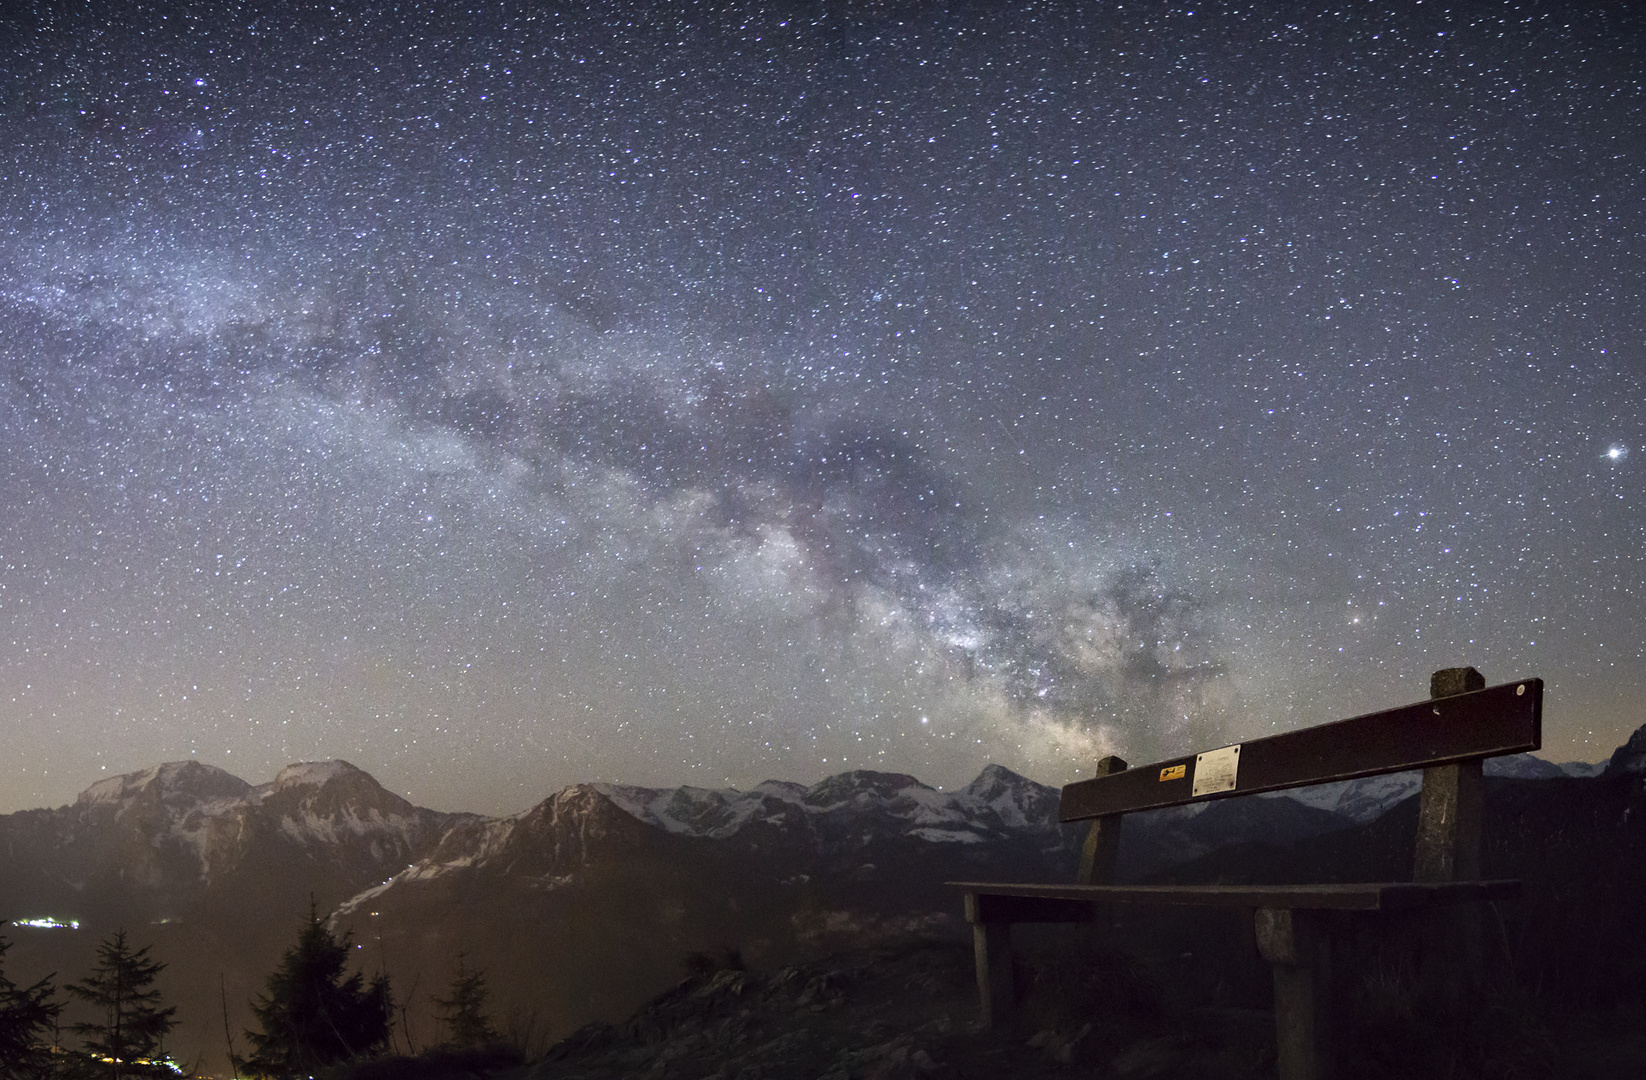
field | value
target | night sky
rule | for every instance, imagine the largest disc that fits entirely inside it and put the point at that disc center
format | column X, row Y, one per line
column 700, row 393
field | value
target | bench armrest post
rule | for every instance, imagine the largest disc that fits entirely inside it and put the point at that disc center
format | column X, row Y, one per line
column 1453, row 801
column 1450, row 812
column 1102, row 848
column 1449, row 823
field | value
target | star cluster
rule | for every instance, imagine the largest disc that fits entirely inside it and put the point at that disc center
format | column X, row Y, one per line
column 500, row 397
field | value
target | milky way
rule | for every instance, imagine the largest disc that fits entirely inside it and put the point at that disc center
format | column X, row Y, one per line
column 700, row 393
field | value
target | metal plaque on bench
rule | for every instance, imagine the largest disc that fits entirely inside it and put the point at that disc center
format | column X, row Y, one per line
column 1215, row 771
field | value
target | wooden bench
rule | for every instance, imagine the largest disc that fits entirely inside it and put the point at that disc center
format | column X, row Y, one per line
column 1448, row 737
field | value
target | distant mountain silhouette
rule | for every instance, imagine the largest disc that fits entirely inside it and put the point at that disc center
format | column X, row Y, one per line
column 585, row 905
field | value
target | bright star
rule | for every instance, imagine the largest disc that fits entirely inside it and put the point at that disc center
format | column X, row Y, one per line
column 1617, row 452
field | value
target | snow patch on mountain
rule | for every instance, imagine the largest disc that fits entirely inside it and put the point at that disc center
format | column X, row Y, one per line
column 174, row 783
column 997, row 801
column 1360, row 800
column 947, row 836
column 1369, row 797
column 310, row 774
column 477, row 845
column 360, row 899
column 693, row 811
column 1528, row 767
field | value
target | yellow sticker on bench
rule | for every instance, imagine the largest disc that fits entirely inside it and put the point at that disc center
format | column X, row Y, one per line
column 1173, row 772
column 1215, row 770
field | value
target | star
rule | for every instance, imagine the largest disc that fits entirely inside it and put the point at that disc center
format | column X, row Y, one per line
column 611, row 398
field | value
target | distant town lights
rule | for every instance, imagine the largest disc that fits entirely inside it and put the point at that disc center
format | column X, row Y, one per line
column 48, row 923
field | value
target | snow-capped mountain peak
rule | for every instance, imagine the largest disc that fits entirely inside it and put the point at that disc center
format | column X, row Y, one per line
column 1019, row 802
column 861, row 787
column 312, row 774
column 186, row 820
column 174, row 783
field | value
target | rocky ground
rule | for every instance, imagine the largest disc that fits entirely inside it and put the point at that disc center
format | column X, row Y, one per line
column 910, row 1011
column 897, row 1012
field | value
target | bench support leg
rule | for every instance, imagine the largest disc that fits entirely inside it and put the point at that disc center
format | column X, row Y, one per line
column 1451, row 809
column 1295, row 944
column 992, row 944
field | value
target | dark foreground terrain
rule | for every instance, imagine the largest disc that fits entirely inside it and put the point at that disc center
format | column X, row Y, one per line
column 1159, row 992
column 910, row 1010
column 591, row 905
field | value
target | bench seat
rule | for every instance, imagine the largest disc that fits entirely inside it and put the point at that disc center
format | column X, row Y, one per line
column 995, row 902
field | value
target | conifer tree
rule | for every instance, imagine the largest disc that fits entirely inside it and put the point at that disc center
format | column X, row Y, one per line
column 126, row 1039
column 312, row 1015
column 463, row 1011
column 27, row 1016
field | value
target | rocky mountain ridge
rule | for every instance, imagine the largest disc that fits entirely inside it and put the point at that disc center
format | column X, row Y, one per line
column 182, row 828
column 186, row 825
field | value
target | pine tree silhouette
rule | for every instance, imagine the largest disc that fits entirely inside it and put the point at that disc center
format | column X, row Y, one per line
column 127, row 1040
column 311, row 1014
column 463, row 1011
column 27, row 1015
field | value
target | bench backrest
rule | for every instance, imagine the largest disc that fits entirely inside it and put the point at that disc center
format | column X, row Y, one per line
column 1505, row 719
column 1449, row 729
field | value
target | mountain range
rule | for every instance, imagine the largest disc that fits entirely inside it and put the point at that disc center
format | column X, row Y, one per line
column 586, row 904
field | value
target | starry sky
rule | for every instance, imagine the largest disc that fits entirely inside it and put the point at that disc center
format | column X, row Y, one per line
column 503, row 396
